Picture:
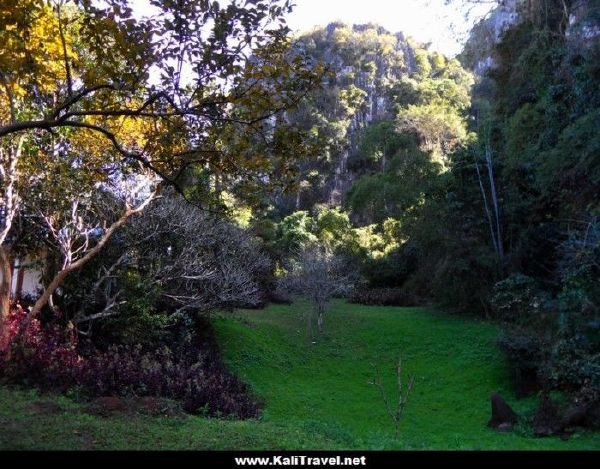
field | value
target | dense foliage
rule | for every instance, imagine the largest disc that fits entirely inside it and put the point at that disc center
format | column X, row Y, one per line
column 106, row 112
column 49, row 356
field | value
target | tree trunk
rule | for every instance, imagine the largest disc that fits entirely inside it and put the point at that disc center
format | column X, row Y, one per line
column 62, row 274
column 320, row 319
column 487, row 210
column 496, row 205
column 48, row 291
column 5, row 287
column 309, row 333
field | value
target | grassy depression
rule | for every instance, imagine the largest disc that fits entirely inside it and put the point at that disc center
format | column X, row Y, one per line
column 316, row 395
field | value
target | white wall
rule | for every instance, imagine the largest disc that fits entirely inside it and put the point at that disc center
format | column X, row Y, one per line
column 31, row 282
column 32, row 274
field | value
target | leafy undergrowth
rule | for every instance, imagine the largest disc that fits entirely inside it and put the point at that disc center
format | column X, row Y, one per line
column 316, row 396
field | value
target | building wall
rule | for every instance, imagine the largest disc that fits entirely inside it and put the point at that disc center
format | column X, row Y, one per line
column 30, row 283
column 26, row 278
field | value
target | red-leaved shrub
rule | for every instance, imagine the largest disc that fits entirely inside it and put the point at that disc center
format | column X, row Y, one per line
column 43, row 355
column 46, row 355
column 201, row 387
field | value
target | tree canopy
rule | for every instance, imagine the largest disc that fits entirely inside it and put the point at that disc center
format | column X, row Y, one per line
column 92, row 94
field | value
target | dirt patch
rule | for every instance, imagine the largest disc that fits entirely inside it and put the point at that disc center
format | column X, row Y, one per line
column 107, row 406
column 45, row 408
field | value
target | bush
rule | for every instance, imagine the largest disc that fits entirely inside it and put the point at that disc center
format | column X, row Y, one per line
column 383, row 297
column 279, row 298
column 519, row 300
column 41, row 355
column 553, row 340
column 526, row 354
column 389, row 271
column 48, row 356
column 202, row 387
column 574, row 366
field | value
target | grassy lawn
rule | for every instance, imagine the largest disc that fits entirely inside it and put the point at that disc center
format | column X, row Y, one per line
column 317, row 396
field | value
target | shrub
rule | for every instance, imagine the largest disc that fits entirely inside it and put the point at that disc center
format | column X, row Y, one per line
column 279, row 298
column 518, row 300
column 190, row 378
column 526, row 354
column 574, row 365
column 554, row 338
column 389, row 271
column 48, row 356
column 383, row 297
column 43, row 355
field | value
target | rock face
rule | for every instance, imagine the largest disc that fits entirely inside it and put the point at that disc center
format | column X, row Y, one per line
column 503, row 416
column 477, row 53
column 367, row 61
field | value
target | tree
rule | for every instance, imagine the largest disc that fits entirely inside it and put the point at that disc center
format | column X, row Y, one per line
column 379, row 143
column 187, row 260
column 492, row 208
column 199, row 263
column 9, row 206
column 334, row 229
column 188, row 87
column 402, row 392
column 80, row 219
column 294, row 232
column 320, row 275
column 397, row 191
column 438, row 127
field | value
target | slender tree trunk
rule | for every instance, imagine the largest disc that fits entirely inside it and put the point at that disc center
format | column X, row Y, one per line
column 44, row 299
column 309, row 331
column 487, row 209
column 321, row 318
column 492, row 213
column 496, row 205
column 5, row 288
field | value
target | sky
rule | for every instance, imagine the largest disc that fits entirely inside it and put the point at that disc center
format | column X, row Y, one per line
column 427, row 21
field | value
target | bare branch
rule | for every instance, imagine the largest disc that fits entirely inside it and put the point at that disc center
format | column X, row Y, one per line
column 319, row 275
column 402, row 394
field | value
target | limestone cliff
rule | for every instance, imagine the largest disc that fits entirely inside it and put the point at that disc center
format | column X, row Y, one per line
column 365, row 62
column 577, row 19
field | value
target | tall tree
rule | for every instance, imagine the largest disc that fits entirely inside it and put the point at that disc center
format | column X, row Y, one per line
column 189, row 86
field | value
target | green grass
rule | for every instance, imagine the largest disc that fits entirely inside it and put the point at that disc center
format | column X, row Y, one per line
column 454, row 360
column 318, row 395
column 21, row 427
